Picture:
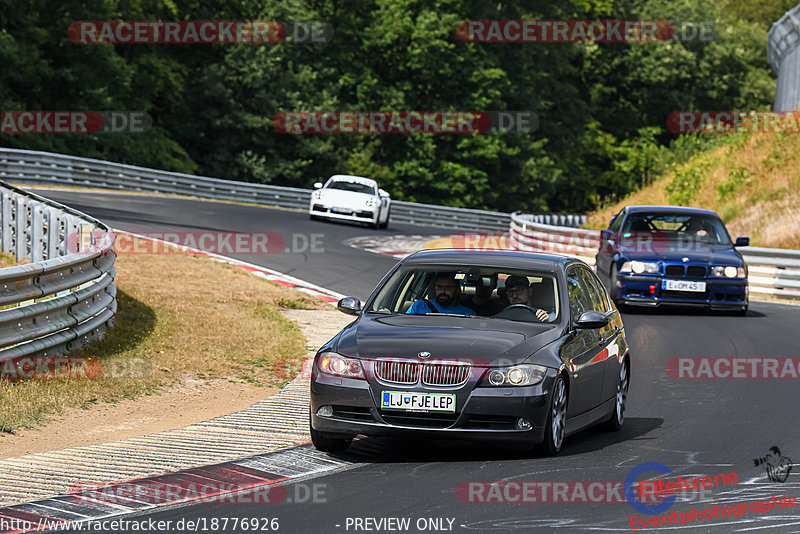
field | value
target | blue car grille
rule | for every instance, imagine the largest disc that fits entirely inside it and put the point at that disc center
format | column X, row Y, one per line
column 675, row 270
column 696, row 271
column 680, row 271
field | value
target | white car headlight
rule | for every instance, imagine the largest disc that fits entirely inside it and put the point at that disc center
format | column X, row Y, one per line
column 516, row 375
column 317, row 195
column 727, row 271
column 640, row 267
column 370, row 202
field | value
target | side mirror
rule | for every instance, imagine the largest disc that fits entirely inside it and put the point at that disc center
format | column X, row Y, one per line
column 607, row 241
column 591, row 319
column 742, row 242
column 382, row 193
column 349, row 305
column 318, row 185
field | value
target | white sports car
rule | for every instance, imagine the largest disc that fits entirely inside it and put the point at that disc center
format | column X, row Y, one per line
column 350, row 198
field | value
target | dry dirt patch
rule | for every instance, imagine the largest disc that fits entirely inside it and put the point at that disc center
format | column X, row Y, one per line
column 181, row 318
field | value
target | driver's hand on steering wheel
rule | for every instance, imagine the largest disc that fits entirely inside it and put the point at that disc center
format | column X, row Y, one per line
column 542, row 315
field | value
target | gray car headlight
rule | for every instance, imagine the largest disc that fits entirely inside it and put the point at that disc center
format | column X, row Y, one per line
column 334, row 364
column 515, row 375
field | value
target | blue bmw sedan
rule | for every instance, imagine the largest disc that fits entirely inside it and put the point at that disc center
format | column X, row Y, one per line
column 663, row 255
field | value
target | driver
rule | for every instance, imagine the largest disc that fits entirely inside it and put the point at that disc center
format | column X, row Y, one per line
column 448, row 291
column 519, row 291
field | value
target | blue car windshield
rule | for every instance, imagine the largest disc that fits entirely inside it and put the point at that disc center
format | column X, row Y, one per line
column 697, row 228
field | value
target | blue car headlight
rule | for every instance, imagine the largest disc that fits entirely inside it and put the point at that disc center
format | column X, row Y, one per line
column 515, row 375
column 728, row 271
column 639, row 267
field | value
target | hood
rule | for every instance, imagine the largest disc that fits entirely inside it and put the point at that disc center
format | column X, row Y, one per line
column 698, row 253
column 481, row 341
column 345, row 198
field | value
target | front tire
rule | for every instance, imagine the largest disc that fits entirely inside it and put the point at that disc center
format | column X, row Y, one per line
column 326, row 442
column 618, row 415
column 385, row 224
column 614, row 291
column 555, row 430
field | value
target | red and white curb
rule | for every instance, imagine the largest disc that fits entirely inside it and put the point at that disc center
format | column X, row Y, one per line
column 280, row 278
column 259, row 480
column 397, row 246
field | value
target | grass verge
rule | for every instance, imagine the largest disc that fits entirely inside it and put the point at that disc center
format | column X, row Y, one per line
column 179, row 316
column 753, row 183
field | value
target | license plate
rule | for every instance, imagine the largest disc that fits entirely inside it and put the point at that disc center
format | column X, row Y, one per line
column 683, row 285
column 342, row 210
column 413, row 401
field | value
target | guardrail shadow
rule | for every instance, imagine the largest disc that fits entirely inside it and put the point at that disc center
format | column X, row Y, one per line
column 134, row 322
column 685, row 311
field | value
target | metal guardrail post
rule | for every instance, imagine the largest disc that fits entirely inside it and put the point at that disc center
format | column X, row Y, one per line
column 783, row 51
column 74, row 291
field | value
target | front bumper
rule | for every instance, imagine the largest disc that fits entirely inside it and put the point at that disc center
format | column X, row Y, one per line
column 361, row 215
column 482, row 413
column 720, row 294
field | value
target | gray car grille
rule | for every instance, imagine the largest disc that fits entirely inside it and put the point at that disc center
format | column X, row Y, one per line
column 445, row 374
column 397, row 372
column 432, row 373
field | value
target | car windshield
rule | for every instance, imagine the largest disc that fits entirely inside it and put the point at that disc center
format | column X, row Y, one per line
column 355, row 187
column 469, row 290
column 677, row 228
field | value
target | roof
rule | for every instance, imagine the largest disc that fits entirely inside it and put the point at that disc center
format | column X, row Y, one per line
column 351, row 178
column 511, row 259
column 683, row 210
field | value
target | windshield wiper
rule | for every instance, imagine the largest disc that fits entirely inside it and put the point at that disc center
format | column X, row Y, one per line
column 450, row 314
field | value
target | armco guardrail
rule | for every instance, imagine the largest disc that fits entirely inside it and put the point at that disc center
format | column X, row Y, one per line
column 529, row 235
column 771, row 271
column 61, row 300
column 44, row 168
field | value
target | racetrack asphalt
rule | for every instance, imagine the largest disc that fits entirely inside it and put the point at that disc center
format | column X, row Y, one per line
column 694, row 427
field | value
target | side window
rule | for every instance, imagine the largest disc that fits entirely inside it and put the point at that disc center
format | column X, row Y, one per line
column 579, row 300
column 596, row 293
column 615, row 226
